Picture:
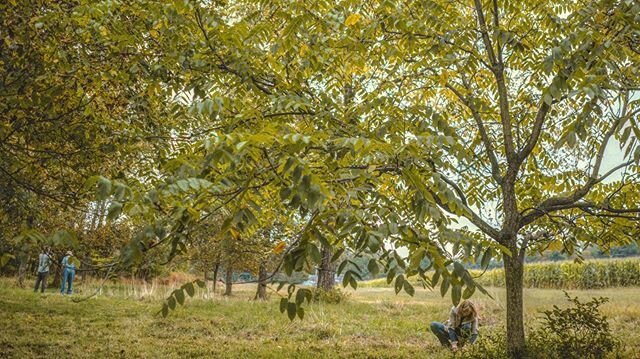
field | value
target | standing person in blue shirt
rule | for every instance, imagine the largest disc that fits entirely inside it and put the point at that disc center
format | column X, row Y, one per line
column 43, row 269
column 68, row 272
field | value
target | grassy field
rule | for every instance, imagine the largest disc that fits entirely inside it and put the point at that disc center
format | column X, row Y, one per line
column 373, row 323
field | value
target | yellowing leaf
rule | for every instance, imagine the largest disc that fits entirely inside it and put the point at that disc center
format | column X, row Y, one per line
column 352, row 19
column 555, row 246
column 304, row 49
column 279, row 247
column 234, row 233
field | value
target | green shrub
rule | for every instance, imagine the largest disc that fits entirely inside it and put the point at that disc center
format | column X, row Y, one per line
column 333, row 296
column 579, row 331
column 489, row 345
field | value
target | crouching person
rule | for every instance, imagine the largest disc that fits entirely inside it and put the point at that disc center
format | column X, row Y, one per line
column 461, row 327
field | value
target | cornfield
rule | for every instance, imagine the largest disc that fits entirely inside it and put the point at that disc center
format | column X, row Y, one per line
column 570, row 275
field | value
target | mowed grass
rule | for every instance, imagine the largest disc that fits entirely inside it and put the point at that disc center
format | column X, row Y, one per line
column 373, row 323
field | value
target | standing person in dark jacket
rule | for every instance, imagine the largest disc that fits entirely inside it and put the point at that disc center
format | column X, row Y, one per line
column 68, row 272
column 44, row 260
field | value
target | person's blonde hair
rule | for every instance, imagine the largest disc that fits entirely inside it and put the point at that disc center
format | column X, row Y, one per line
column 465, row 310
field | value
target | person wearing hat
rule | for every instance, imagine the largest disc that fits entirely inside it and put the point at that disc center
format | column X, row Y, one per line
column 68, row 272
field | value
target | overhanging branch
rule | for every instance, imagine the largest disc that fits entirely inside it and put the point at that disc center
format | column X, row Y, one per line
column 484, row 136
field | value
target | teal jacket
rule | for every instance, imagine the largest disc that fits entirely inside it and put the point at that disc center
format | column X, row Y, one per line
column 66, row 265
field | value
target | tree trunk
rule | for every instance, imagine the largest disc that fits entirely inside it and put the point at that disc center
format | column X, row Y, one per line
column 216, row 269
column 513, row 269
column 261, row 293
column 327, row 270
column 228, row 281
column 23, row 262
column 88, row 261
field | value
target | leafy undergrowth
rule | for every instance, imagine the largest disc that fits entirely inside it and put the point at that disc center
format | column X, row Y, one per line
column 372, row 323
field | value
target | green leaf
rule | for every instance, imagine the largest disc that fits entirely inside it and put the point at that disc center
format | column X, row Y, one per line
column 486, row 258
column 172, row 303
column 372, row 266
column 353, row 283
column 342, row 266
column 194, row 183
column 444, row 287
column 399, row 260
column 314, row 253
column 456, row 293
column 179, row 294
column 571, row 139
column 346, row 278
column 283, row 304
column 300, row 312
column 114, row 210
column 188, row 287
column 468, row 292
column 104, row 188
column 200, row 283
column 165, row 310
column 183, row 185
column 399, row 283
column 281, row 285
column 435, row 278
column 483, row 291
column 337, row 254
column 300, row 296
column 458, row 269
column 291, row 310
column 409, row 288
column 390, row 275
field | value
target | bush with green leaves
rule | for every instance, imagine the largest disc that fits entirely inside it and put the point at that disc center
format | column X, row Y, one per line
column 333, row 296
column 579, row 331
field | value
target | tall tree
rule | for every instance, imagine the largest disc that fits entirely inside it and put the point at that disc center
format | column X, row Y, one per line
column 459, row 110
column 497, row 112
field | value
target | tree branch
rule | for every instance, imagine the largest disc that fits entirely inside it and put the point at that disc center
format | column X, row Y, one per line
column 471, row 216
column 541, row 115
column 559, row 202
column 495, row 167
column 497, row 67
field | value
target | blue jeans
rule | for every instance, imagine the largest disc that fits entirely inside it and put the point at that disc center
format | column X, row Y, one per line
column 67, row 277
column 459, row 335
